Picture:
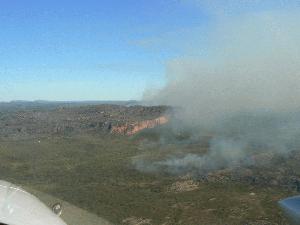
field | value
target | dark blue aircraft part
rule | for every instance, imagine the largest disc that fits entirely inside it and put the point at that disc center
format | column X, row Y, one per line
column 291, row 207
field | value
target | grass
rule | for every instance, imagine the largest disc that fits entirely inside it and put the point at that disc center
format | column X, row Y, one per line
column 95, row 173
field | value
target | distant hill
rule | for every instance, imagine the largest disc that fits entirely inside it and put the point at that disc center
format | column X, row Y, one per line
column 41, row 104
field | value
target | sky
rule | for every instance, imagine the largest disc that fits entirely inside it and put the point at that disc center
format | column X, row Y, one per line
column 88, row 50
column 103, row 50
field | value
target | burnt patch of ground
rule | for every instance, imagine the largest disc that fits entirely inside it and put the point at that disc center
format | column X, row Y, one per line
column 160, row 149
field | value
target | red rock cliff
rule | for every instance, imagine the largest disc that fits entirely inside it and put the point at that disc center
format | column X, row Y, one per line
column 133, row 128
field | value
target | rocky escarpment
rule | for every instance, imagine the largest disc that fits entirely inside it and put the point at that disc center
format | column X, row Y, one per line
column 133, row 128
column 105, row 119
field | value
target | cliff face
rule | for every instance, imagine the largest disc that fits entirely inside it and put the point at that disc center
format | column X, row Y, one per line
column 102, row 119
column 133, row 128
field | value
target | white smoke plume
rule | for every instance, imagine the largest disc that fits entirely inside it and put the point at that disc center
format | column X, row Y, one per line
column 245, row 89
column 253, row 64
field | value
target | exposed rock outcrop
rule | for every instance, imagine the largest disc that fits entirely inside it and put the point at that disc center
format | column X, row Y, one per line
column 183, row 186
column 133, row 128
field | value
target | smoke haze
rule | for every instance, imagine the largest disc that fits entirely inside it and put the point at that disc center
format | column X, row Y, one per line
column 252, row 64
column 245, row 89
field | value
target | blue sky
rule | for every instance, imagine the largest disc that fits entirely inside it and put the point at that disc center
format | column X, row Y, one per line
column 88, row 50
column 103, row 49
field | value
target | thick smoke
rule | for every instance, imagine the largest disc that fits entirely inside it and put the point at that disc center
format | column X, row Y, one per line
column 245, row 89
column 253, row 64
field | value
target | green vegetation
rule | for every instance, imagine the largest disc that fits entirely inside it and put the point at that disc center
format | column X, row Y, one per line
column 95, row 173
